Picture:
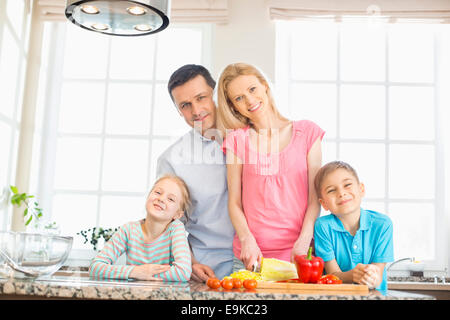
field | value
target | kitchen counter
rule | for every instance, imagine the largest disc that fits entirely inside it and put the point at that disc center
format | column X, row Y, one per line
column 78, row 285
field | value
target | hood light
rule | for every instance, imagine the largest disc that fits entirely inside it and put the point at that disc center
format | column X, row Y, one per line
column 143, row 27
column 89, row 9
column 136, row 11
column 100, row 26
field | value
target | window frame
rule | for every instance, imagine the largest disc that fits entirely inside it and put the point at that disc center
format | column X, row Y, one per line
column 284, row 81
column 55, row 80
column 13, row 122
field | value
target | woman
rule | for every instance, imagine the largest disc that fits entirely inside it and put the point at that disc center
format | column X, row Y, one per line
column 271, row 165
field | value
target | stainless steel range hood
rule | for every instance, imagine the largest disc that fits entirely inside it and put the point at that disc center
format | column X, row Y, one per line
column 120, row 17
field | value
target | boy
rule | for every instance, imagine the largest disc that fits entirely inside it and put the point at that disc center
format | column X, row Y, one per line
column 355, row 243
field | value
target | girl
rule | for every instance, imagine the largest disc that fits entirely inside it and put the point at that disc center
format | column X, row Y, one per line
column 156, row 247
column 271, row 164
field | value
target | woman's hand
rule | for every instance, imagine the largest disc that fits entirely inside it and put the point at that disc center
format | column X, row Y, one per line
column 250, row 252
column 147, row 271
column 299, row 248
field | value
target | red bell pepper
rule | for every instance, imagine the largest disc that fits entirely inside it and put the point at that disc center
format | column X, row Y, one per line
column 329, row 279
column 309, row 268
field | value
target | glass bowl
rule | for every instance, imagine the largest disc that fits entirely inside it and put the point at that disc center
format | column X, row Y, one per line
column 34, row 254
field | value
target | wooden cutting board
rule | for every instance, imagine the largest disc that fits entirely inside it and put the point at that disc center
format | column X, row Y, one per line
column 291, row 286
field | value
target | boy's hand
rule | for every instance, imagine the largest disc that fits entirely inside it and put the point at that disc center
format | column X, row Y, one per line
column 371, row 276
column 358, row 272
column 367, row 274
column 147, row 271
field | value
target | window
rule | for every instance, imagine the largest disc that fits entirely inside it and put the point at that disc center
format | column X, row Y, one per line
column 373, row 89
column 14, row 20
column 110, row 117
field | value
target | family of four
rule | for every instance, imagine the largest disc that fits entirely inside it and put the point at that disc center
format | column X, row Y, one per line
column 243, row 184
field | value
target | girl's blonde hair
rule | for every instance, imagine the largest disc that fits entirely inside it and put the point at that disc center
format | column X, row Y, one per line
column 185, row 204
column 227, row 116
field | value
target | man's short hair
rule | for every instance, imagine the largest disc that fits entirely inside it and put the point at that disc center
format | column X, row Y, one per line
column 186, row 73
column 329, row 168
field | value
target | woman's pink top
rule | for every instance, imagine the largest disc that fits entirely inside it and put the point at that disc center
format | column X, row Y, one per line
column 274, row 188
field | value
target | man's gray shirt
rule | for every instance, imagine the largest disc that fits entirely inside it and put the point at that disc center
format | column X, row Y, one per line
column 200, row 162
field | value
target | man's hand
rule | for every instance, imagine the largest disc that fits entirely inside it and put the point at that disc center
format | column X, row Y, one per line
column 147, row 271
column 201, row 272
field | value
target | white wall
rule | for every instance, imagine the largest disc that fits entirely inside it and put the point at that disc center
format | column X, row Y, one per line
column 248, row 37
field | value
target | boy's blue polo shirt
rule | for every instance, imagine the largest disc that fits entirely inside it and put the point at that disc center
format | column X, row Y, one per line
column 372, row 243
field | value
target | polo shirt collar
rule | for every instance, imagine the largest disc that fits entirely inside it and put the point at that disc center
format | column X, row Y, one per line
column 364, row 222
column 198, row 135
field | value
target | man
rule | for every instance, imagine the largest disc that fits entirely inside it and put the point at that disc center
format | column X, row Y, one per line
column 198, row 159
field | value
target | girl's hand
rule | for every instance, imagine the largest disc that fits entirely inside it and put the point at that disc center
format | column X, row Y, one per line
column 250, row 252
column 147, row 271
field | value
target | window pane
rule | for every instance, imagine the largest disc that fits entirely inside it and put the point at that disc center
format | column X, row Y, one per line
column 411, row 113
column 362, row 52
column 82, row 106
column 411, row 52
column 118, row 210
column 166, row 119
column 414, row 223
column 77, row 163
column 362, row 112
column 312, row 102
column 9, row 71
column 411, row 171
column 313, row 53
column 177, row 47
column 377, row 206
column 5, row 143
column 125, row 165
column 368, row 159
column 14, row 11
column 129, row 107
column 328, row 151
column 86, row 53
column 132, row 58
column 74, row 213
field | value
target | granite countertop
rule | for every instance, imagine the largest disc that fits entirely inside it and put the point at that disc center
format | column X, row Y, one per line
column 78, row 285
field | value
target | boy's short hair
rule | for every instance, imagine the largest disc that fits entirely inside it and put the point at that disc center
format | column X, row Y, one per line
column 329, row 168
column 189, row 72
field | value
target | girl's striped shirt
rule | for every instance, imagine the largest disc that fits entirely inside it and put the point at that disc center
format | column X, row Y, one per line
column 171, row 247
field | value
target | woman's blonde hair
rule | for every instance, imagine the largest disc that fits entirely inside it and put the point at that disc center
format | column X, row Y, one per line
column 228, row 117
column 185, row 204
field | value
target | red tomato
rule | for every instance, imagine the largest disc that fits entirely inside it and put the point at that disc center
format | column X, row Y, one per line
column 213, row 283
column 250, row 283
column 237, row 283
column 227, row 284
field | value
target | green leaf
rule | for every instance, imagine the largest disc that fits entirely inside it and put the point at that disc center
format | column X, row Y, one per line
column 29, row 220
column 39, row 214
column 14, row 189
column 25, row 212
column 28, row 197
